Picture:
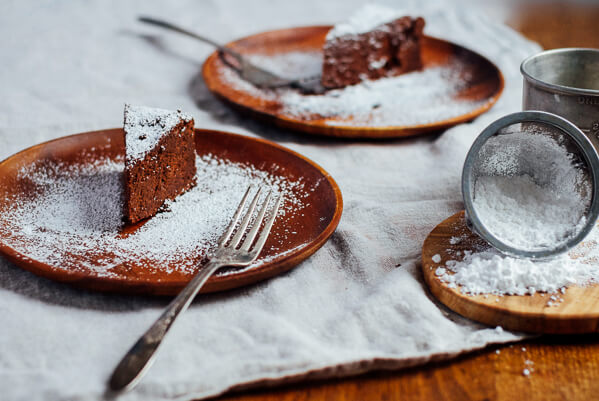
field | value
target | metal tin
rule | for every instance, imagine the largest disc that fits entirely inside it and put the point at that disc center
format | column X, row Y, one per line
column 565, row 82
column 586, row 151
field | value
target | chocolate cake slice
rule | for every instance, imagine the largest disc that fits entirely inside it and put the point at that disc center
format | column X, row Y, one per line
column 159, row 160
column 371, row 45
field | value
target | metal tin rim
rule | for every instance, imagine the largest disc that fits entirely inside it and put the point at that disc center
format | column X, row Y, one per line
column 588, row 152
column 570, row 90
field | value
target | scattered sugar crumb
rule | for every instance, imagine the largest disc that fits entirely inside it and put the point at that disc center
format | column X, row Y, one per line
column 436, row 258
column 455, row 240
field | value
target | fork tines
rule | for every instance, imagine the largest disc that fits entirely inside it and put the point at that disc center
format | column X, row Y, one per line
column 236, row 237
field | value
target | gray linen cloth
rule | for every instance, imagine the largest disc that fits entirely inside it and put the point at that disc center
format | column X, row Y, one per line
column 358, row 304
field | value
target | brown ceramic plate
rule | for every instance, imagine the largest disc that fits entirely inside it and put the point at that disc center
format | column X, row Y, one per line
column 480, row 82
column 312, row 227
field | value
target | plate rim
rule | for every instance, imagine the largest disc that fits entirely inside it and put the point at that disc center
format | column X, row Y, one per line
column 347, row 131
column 215, row 283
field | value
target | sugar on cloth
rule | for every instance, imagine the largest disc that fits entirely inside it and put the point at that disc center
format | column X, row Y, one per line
column 359, row 303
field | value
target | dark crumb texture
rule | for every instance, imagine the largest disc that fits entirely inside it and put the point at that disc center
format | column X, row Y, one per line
column 391, row 49
column 165, row 172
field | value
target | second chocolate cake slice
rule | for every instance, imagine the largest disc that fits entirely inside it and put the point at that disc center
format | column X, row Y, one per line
column 372, row 44
column 159, row 161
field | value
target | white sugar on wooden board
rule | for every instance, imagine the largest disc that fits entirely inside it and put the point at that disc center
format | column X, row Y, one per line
column 531, row 193
column 486, row 271
column 415, row 98
column 75, row 220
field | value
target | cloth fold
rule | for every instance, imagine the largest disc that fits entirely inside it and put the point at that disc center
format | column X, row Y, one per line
column 359, row 303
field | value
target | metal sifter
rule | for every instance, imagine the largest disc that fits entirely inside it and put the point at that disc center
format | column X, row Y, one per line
column 530, row 183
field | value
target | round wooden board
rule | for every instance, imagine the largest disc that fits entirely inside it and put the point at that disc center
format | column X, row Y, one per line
column 578, row 313
column 485, row 82
column 312, row 227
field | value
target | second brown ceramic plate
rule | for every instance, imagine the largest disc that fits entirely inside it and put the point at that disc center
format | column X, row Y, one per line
column 59, row 208
column 476, row 80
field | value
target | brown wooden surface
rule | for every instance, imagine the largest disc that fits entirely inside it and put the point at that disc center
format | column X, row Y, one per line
column 485, row 84
column 577, row 312
column 319, row 218
column 565, row 367
column 563, row 370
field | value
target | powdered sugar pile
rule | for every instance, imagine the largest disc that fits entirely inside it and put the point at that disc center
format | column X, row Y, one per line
column 75, row 221
column 526, row 215
column 490, row 272
column 532, row 193
column 145, row 126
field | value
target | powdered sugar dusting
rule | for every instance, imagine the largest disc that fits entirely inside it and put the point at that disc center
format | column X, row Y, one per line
column 75, row 221
column 415, row 98
column 145, row 126
column 419, row 97
column 365, row 19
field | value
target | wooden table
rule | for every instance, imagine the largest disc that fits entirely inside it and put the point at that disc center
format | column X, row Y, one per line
column 564, row 367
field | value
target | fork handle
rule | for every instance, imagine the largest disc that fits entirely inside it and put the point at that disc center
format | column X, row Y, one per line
column 139, row 358
column 172, row 27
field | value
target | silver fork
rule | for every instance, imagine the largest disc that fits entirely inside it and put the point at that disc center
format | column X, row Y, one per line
column 232, row 250
column 258, row 76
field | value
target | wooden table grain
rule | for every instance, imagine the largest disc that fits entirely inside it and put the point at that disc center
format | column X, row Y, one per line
column 561, row 367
